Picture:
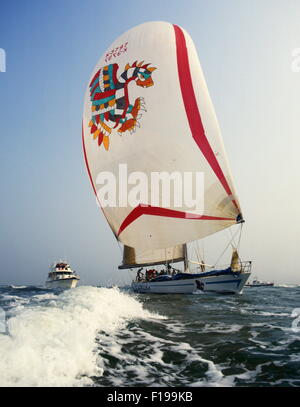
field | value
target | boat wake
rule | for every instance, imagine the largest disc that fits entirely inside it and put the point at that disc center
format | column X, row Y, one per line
column 91, row 336
column 53, row 340
column 198, row 292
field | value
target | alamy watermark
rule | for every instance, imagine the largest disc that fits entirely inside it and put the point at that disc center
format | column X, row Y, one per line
column 296, row 314
column 3, row 325
column 176, row 189
column 2, row 60
column 295, row 65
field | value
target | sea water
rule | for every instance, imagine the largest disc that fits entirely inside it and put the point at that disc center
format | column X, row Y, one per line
column 91, row 336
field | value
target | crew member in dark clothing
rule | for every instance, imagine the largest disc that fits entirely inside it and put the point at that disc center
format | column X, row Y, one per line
column 139, row 275
column 172, row 270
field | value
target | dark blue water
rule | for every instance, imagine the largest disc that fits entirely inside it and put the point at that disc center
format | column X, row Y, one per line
column 108, row 337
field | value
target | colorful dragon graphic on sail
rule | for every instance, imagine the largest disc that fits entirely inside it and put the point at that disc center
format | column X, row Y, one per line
column 111, row 107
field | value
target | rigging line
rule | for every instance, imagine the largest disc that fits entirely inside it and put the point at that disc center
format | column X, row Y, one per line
column 232, row 238
column 129, row 274
column 199, row 251
column 203, row 249
column 200, row 256
column 225, row 248
column 239, row 241
column 120, row 247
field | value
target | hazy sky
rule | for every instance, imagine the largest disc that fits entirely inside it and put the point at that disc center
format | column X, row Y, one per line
column 47, row 207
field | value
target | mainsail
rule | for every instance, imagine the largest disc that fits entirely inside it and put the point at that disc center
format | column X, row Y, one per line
column 138, row 258
column 147, row 106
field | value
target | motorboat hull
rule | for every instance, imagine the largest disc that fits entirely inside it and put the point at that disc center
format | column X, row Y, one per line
column 62, row 283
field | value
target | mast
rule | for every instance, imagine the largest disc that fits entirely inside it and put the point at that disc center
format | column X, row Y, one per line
column 186, row 259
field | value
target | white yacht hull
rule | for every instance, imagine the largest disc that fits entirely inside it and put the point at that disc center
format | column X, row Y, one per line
column 222, row 284
column 62, row 283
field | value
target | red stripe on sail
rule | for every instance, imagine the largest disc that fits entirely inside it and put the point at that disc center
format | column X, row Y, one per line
column 168, row 213
column 192, row 111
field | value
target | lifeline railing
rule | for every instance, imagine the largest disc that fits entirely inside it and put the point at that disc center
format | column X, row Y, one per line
column 245, row 266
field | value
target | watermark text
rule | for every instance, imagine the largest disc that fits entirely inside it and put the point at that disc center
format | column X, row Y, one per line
column 296, row 314
column 2, row 60
column 180, row 190
column 295, row 65
column 2, row 321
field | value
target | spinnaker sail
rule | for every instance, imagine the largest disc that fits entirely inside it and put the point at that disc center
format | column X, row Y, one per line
column 147, row 106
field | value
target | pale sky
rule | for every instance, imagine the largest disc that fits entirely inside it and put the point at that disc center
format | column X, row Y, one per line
column 48, row 209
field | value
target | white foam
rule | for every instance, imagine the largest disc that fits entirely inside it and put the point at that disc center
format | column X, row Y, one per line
column 221, row 328
column 263, row 313
column 54, row 344
column 14, row 302
column 18, row 286
column 42, row 297
column 272, row 314
column 198, row 292
column 7, row 297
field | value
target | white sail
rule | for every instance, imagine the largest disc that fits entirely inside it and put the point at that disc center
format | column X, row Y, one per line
column 156, row 120
column 138, row 257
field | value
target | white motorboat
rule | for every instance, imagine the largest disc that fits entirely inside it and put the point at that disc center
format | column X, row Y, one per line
column 259, row 283
column 61, row 276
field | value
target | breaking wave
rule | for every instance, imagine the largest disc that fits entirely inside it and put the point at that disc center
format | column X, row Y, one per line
column 53, row 341
column 92, row 336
